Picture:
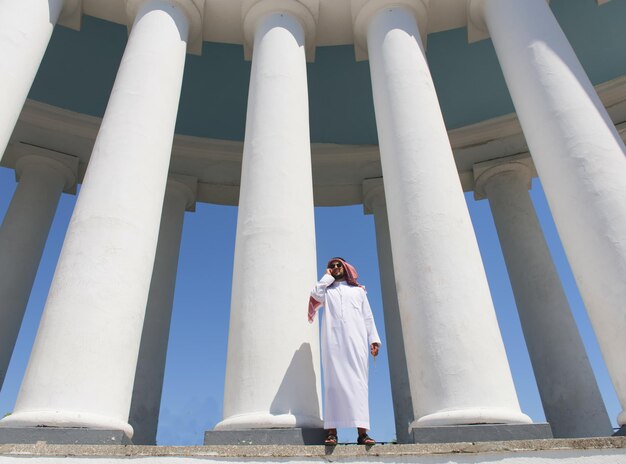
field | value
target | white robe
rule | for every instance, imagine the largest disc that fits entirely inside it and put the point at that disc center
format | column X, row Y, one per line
column 348, row 329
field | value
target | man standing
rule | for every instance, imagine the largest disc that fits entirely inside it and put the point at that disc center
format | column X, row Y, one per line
column 348, row 330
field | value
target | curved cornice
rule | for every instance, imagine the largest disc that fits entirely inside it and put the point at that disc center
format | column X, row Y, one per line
column 223, row 18
column 338, row 170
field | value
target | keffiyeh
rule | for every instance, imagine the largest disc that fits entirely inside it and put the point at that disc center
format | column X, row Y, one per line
column 351, row 276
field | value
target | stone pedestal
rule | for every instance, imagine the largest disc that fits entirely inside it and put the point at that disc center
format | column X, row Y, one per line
column 483, row 432
column 62, row 436
column 290, row 436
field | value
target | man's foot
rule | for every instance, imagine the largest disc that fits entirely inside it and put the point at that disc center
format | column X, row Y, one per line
column 365, row 439
column 331, row 439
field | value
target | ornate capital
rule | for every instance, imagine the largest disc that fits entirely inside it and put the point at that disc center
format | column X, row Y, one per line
column 363, row 12
column 373, row 195
column 71, row 14
column 522, row 165
column 305, row 11
column 193, row 9
column 187, row 185
column 476, row 27
column 65, row 165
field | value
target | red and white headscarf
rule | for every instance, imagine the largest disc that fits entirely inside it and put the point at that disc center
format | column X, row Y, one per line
column 351, row 277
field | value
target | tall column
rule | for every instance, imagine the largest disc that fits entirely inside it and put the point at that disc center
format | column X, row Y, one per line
column 374, row 203
column 458, row 370
column 146, row 401
column 562, row 369
column 23, row 234
column 272, row 370
column 82, row 366
column 25, row 30
column 579, row 156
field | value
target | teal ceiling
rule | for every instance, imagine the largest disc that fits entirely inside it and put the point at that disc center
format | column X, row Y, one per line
column 79, row 68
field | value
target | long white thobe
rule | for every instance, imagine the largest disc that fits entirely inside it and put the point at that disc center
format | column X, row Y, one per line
column 348, row 329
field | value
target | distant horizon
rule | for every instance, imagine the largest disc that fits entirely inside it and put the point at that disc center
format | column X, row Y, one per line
column 194, row 378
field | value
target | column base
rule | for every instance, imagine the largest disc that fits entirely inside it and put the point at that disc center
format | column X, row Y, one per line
column 621, row 432
column 291, row 436
column 472, row 416
column 65, row 420
column 62, row 436
column 482, row 432
column 266, row 420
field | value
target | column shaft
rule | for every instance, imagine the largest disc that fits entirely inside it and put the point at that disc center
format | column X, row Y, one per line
column 580, row 159
column 22, row 239
column 562, row 369
column 82, row 367
column 146, row 401
column 457, row 365
column 25, row 30
column 399, row 376
column 272, row 373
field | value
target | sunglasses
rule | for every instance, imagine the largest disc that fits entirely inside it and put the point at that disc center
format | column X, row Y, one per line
column 334, row 265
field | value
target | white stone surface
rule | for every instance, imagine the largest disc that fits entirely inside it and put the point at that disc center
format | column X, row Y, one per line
column 579, row 156
column 457, row 365
column 374, row 202
column 272, row 372
column 569, row 392
column 516, row 452
column 148, row 386
column 25, row 30
column 571, row 457
column 82, row 366
column 23, row 236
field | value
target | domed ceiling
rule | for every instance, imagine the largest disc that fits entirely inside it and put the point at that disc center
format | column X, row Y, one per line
column 79, row 69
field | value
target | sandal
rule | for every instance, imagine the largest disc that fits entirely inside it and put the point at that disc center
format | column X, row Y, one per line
column 365, row 439
column 331, row 439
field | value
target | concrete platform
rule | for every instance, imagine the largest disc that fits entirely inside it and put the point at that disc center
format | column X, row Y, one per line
column 62, row 436
column 481, row 432
column 609, row 450
column 291, row 436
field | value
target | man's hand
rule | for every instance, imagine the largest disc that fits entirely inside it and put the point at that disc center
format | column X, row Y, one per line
column 328, row 271
column 374, row 349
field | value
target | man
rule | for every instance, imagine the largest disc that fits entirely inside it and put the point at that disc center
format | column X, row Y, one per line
column 348, row 330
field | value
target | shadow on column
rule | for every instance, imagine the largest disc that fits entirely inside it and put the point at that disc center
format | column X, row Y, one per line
column 299, row 381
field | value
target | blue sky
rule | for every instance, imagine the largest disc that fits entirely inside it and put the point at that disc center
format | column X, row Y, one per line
column 193, row 389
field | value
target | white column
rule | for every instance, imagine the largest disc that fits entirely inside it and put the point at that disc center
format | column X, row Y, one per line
column 23, row 236
column 272, row 371
column 579, row 156
column 146, row 401
column 562, row 369
column 457, row 364
column 374, row 203
column 82, row 366
column 25, row 30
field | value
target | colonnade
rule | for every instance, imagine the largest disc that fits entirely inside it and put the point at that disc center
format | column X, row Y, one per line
column 115, row 276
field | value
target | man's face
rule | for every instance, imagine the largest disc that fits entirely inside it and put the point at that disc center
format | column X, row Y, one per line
column 336, row 269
